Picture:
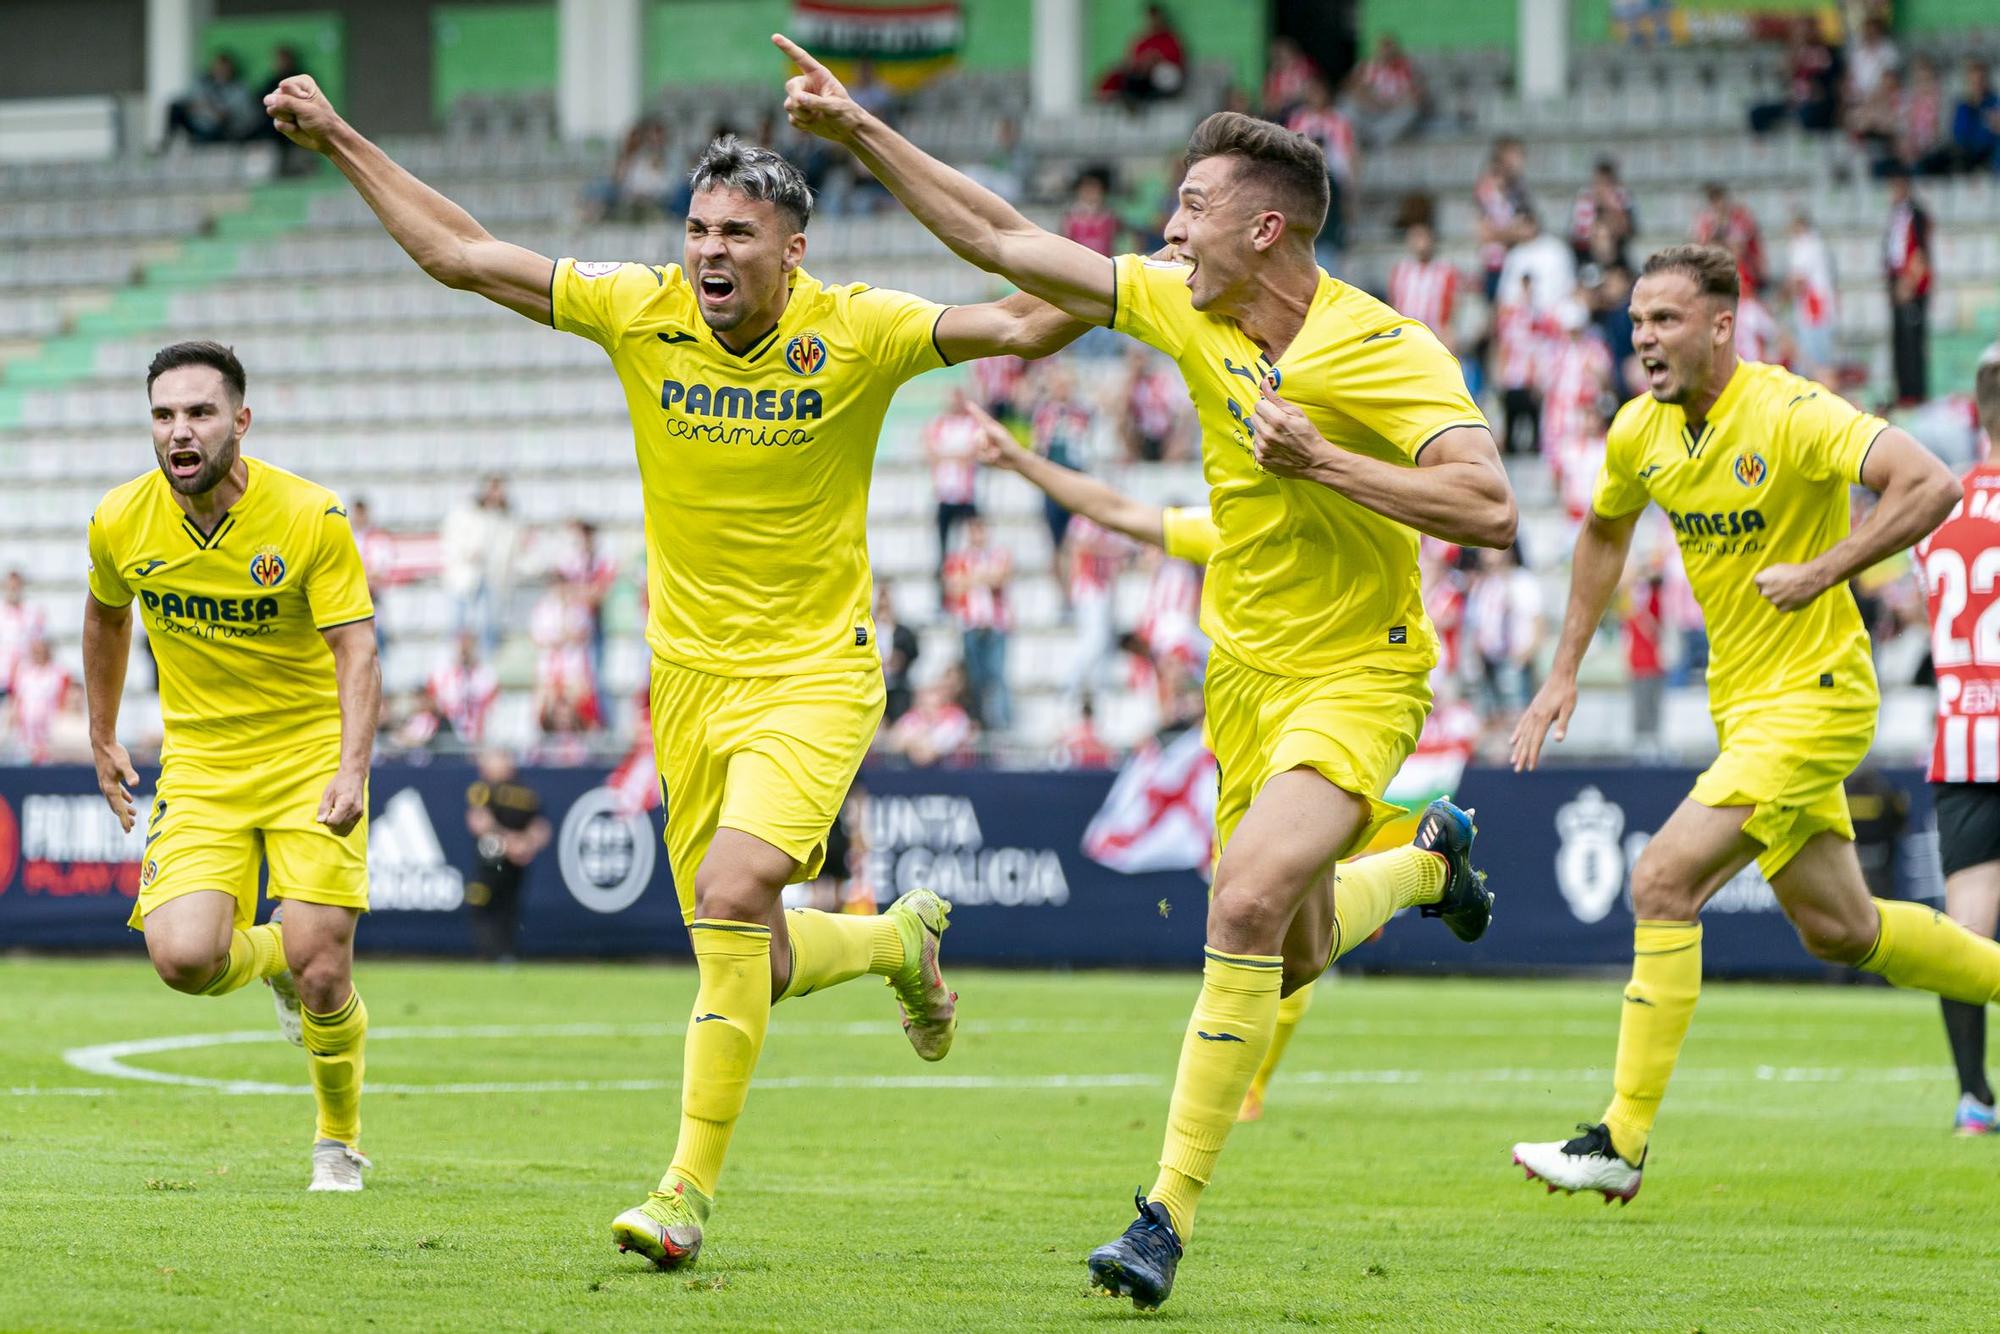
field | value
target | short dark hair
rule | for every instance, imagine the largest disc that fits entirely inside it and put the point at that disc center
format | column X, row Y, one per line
column 1712, row 268
column 730, row 164
column 199, row 352
column 1986, row 391
column 1284, row 169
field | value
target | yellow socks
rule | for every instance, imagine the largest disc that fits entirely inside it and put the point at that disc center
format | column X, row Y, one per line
column 254, row 954
column 1291, row 1009
column 732, row 1008
column 1368, row 891
column 1922, row 948
column 1659, row 1005
column 830, row 948
column 1226, row 1039
column 336, row 1046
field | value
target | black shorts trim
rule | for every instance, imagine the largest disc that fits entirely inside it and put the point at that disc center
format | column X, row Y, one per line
column 1968, row 822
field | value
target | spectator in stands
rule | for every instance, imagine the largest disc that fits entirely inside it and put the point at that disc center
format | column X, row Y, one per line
column 641, row 180
column 1759, row 337
column 1519, row 346
column 1603, row 219
column 1422, row 286
column 1094, row 557
column 998, row 384
column 560, row 628
column 1809, row 285
column 1907, row 259
column 219, row 109
column 592, row 573
column 1644, row 628
column 1385, row 94
column 1813, row 69
column 1871, row 56
column 870, row 92
column 1060, row 431
column 899, row 648
column 1153, row 421
column 1080, row 746
column 1503, row 620
column 461, row 691
column 1008, row 169
column 1089, row 220
column 1575, row 377
column 285, row 63
column 1921, row 138
column 1318, row 119
column 976, row 580
column 937, row 729
column 21, row 624
column 951, row 442
column 1154, row 67
column 1975, row 121
column 1729, row 223
column 38, row 694
column 504, row 816
column 477, row 545
column 1501, row 196
column 1540, row 271
column 1286, row 74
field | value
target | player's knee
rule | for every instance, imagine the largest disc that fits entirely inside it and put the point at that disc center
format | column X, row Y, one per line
column 185, row 968
column 730, row 896
column 1837, row 938
column 323, row 980
column 1247, row 918
column 1660, row 894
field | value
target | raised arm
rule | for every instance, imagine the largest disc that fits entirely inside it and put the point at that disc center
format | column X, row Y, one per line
column 1917, row 491
column 1458, row 491
column 444, row 240
column 358, row 681
column 1594, row 573
column 1021, row 326
column 979, row 226
column 1074, row 491
column 107, row 647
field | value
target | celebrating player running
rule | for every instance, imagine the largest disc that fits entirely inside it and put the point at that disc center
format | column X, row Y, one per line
column 258, row 614
column 1752, row 465
column 1333, row 431
column 757, row 395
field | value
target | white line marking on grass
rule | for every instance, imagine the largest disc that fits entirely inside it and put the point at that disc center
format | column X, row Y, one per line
column 110, row 1060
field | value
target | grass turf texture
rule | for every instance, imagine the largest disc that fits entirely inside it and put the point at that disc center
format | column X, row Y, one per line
column 1802, row 1177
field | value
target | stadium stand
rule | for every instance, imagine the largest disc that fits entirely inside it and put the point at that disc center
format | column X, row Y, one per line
column 366, row 375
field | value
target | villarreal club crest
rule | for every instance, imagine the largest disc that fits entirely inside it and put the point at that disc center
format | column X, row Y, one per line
column 267, row 568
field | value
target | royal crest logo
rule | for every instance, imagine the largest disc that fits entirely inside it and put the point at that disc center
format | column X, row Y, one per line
column 805, row 354
column 267, row 568
column 1750, row 469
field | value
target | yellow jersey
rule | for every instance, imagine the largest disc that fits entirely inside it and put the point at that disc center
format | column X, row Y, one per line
column 755, row 466
column 234, row 616
column 1190, row 533
column 1304, row 581
column 1765, row 483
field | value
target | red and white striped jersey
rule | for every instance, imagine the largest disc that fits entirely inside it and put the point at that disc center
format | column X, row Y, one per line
column 1333, row 132
column 40, row 691
column 1576, row 375
column 1170, row 623
column 1424, row 291
column 20, row 624
column 1095, row 553
column 1961, row 571
column 997, row 380
column 951, row 442
column 1756, row 332
column 975, row 580
column 464, row 695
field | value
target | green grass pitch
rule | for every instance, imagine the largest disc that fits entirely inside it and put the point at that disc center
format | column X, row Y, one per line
column 1802, row 1176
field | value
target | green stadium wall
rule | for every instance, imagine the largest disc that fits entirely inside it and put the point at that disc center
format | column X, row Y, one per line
column 319, row 37
column 489, row 50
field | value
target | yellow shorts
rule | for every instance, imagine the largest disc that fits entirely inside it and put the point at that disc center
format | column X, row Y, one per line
column 1789, row 762
column 770, row 756
column 210, row 825
column 1355, row 727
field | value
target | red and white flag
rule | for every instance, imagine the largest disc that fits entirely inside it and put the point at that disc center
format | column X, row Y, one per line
column 1160, row 814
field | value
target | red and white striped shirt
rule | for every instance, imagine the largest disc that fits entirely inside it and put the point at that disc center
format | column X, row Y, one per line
column 1155, row 402
column 1094, row 555
column 1425, row 292
column 1576, row 374
column 952, row 442
column 1333, row 132
column 39, row 693
column 21, row 623
column 1170, row 622
column 1390, row 82
column 976, row 582
column 464, row 695
column 998, row 379
column 1756, row 331
column 1961, row 570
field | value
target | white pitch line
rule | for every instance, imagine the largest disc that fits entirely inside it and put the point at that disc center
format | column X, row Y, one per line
column 109, row 1060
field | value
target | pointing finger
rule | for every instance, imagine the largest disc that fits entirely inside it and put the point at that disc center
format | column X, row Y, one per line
column 800, row 56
